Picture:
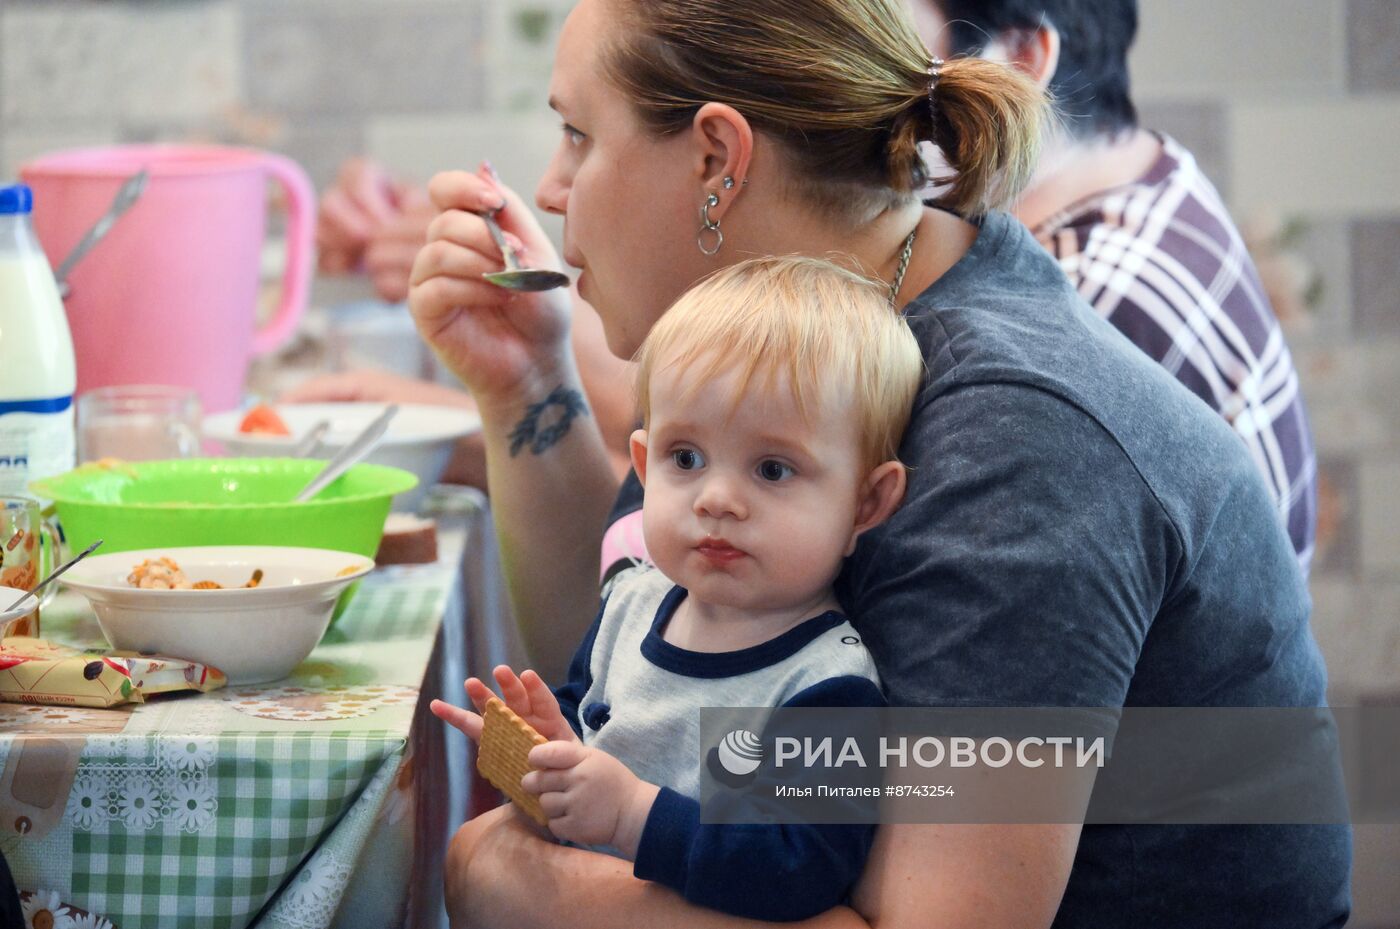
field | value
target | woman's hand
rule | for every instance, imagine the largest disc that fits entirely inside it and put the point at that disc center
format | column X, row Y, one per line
column 527, row 696
column 499, row 342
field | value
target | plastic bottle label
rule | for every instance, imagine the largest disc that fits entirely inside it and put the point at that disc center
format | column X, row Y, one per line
column 36, row 441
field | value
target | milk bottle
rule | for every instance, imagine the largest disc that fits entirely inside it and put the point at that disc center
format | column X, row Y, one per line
column 36, row 355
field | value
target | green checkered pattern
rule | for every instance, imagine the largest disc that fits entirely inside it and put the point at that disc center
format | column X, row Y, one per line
column 409, row 606
column 278, row 798
column 251, row 816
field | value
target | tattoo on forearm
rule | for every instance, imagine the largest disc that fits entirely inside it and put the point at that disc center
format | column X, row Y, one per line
column 529, row 432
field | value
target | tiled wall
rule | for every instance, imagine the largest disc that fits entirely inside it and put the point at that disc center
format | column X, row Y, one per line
column 1293, row 106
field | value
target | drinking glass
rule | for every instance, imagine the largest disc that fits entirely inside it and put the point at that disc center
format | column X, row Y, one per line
column 29, row 550
column 138, row 423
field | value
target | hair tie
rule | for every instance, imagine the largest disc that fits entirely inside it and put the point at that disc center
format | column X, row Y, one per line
column 935, row 71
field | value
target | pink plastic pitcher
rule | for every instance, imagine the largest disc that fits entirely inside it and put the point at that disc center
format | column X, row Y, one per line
column 170, row 295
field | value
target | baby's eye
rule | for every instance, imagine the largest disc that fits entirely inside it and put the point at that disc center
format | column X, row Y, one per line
column 687, row 459
column 773, row 470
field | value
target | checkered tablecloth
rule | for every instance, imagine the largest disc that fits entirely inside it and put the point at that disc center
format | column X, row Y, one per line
column 250, row 806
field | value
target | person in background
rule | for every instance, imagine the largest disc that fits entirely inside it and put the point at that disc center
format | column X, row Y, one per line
column 1141, row 232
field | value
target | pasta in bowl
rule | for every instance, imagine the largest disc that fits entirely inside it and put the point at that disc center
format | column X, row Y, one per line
column 252, row 611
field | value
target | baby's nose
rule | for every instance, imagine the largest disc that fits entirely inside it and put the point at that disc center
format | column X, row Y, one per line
column 720, row 498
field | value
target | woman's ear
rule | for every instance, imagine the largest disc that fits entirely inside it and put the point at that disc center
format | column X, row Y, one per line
column 1035, row 52
column 637, row 444
column 723, row 142
column 880, row 496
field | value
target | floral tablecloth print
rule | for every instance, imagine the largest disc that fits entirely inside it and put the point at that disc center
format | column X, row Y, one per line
column 246, row 806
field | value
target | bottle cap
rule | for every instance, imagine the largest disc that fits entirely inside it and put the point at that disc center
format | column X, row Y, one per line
column 17, row 198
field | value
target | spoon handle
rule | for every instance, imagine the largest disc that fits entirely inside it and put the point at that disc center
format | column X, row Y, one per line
column 351, row 454
column 54, row 576
column 311, row 441
column 499, row 237
column 126, row 196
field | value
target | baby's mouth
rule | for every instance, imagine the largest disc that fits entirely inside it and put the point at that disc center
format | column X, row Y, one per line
column 719, row 550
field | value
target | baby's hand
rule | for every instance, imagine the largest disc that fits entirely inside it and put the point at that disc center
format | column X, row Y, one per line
column 526, row 695
column 589, row 796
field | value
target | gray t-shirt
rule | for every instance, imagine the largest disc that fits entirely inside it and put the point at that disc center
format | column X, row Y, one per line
column 1080, row 530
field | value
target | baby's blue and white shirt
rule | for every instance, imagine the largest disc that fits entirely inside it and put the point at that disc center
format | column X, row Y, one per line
column 637, row 697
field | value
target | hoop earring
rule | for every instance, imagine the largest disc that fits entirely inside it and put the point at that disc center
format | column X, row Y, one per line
column 710, row 226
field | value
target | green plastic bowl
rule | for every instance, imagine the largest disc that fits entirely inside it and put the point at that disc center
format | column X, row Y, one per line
column 222, row 501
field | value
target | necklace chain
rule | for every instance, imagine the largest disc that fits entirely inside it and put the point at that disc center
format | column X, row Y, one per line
column 903, row 267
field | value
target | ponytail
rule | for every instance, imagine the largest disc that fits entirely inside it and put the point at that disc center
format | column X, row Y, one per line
column 989, row 121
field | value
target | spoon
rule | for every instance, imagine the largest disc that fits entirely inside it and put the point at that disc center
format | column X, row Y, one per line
column 352, row 454
column 129, row 193
column 308, row 443
column 515, row 277
column 53, row 577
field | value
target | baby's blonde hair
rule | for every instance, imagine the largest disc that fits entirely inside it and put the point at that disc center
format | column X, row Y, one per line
column 829, row 331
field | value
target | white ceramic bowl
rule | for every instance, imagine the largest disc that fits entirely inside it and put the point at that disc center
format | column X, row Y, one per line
column 252, row 635
column 420, row 437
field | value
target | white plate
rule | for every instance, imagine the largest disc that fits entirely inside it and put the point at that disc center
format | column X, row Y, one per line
column 420, row 437
column 414, row 423
column 252, row 635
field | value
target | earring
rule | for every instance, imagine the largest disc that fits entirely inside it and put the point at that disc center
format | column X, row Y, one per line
column 729, row 183
column 710, row 226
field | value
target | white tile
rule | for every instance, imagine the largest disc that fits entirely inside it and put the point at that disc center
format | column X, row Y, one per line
column 1342, row 429
column 518, row 146
column 151, row 62
column 1318, row 254
column 1334, row 375
column 22, row 144
column 318, row 58
column 1208, row 48
column 1334, row 605
column 522, row 35
column 1383, row 604
column 1379, row 481
column 1323, row 158
column 1357, row 626
column 1375, row 891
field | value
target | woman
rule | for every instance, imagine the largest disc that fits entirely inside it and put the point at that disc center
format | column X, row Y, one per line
column 1079, row 530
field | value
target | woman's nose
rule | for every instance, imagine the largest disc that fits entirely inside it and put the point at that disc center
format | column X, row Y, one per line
column 552, row 192
column 720, row 498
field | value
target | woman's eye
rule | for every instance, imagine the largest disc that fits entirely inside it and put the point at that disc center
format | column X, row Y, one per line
column 771, row 470
column 573, row 136
column 687, row 459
